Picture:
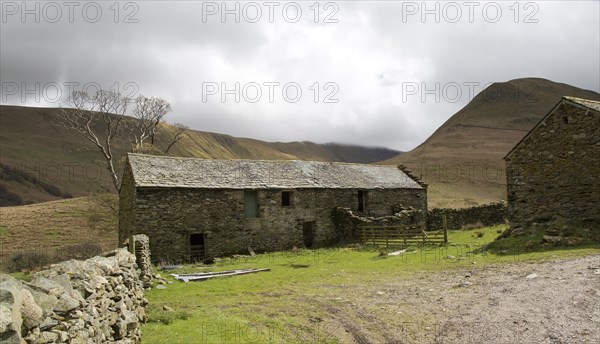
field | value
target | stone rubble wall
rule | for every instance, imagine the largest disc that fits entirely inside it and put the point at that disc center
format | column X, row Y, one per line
column 141, row 249
column 99, row 300
column 348, row 221
column 487, row 215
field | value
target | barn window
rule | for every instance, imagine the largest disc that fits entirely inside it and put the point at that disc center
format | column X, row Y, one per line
column 250, row 203
column 286, row 198
column 362, row 201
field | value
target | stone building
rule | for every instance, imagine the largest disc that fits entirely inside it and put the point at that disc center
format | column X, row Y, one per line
column 199, row 208
column 553, row 172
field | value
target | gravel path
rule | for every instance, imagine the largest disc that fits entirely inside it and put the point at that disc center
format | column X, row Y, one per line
column 529, row 302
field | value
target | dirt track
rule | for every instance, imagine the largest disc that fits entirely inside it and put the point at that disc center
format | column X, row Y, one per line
column 492, row 304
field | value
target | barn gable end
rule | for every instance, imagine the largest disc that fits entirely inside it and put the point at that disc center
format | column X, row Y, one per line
column 552, row 173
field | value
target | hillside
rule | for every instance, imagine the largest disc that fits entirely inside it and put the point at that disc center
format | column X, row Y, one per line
column 463, row 159
column 48, row 227
column 41, row 162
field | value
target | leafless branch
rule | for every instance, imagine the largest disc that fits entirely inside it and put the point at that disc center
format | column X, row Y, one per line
column 178, row 135
column 84, row 114
column 148, row 114
column 102, row 117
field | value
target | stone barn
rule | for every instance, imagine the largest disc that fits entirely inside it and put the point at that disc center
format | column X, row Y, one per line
column 553, row 172
column 194, row 209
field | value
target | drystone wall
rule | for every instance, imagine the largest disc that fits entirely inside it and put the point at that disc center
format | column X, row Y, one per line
column 487, row 215
column 99, row 300
column 141, row 249
column 348, row 221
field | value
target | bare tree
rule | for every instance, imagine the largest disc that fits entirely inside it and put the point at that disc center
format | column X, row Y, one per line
column 177, row 135
column 102, row 117
column 106, row 108
column 148, row 114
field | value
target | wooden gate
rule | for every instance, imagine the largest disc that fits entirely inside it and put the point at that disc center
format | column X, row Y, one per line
column 401, row 235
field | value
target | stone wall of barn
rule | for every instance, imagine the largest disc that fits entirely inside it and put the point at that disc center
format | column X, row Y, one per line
column 553, row 176
column 169, row 215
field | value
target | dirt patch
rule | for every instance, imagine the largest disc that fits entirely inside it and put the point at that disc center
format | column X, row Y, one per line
column 529, row 302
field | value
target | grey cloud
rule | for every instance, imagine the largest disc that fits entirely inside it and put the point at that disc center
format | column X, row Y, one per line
column 370, row 54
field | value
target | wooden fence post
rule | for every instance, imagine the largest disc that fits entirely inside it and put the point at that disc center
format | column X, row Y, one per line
column 387, row 237
column 373, row 235
column 445, row 222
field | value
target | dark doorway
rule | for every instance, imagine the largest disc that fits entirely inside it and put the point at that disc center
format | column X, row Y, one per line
column 286, row 198
column 197, row 249
column 362, row 201
column 308, row 233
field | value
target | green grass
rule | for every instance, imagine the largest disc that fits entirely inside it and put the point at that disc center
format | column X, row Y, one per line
column 22, row 276
column 289, row 303
column 532, row 242
column 3, row 231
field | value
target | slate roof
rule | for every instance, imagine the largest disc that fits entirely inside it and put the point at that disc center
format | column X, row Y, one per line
column 586, row 103
column 160, row 171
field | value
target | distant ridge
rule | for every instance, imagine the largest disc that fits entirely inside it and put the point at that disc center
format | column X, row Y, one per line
column 41, row 162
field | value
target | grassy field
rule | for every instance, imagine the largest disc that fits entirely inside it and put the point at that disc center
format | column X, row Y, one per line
column 293, row 302
column 48, row 227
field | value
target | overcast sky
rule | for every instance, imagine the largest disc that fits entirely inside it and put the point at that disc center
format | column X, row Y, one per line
column 361, row 67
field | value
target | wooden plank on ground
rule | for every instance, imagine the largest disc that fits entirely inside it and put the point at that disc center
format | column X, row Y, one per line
column 203, row 276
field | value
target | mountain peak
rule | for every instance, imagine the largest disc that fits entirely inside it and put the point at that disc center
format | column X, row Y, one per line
column 473, row 141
